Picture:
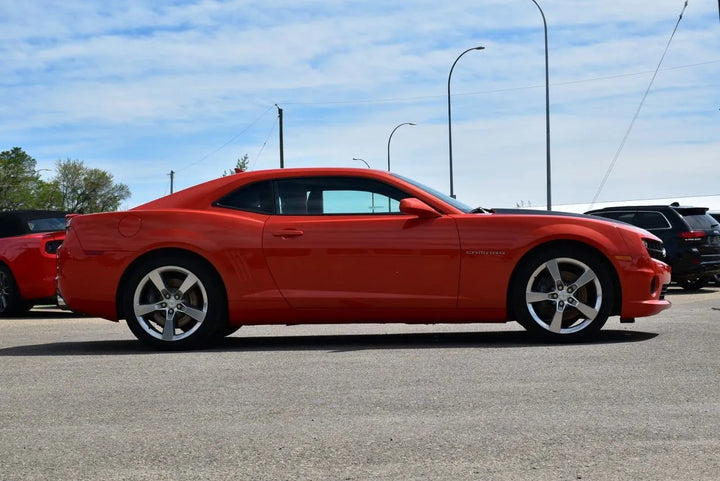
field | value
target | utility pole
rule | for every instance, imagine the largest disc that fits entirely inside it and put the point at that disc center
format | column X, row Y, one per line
column 172, row 179
column 282, row 152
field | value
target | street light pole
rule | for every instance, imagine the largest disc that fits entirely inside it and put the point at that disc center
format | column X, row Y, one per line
column 390, row 138
column 547, row 109
column 282, row 147
column 372, row 194
column 362, row 160
column 450, row 155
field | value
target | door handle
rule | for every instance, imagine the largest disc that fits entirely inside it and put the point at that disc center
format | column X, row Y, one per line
column 288, row 233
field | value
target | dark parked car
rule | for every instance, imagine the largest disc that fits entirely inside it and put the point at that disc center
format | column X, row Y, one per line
column 29, row 241
column 691, row 237
column 716, row 216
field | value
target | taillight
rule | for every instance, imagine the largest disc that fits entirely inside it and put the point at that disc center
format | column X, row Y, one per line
column 52, row 247
column 68, row 221
column 693, row 236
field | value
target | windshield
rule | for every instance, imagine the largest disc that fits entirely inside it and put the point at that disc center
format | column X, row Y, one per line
column 439, row 195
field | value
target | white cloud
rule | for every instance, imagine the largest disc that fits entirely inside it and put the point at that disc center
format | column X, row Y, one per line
column 145, row 88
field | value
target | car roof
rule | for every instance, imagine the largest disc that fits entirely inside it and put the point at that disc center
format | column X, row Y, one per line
column 207, row 192
column 14, row 222
column 681, row 209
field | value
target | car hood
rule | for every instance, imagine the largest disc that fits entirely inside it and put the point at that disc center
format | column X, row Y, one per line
column 539, row 212
column 593, row 218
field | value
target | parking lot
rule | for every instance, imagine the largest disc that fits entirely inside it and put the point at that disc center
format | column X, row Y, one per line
column 81, row 399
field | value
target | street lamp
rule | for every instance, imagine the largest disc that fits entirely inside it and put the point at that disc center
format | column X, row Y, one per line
column 452, row 192
column 547, row 109
column 362, row 160
column 390, row 138
column 372, row 194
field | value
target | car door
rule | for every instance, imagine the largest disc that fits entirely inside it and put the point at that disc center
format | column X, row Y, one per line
column 341, row 242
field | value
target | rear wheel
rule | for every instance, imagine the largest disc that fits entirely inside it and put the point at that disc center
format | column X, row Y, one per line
column 562, row 296
column 174, row 302
column 10, row 300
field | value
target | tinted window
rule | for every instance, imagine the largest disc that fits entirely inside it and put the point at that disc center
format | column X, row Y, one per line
column 257, row 197
column 621, row 216
column 651, row 220
column 336, row 195
column 700, row 222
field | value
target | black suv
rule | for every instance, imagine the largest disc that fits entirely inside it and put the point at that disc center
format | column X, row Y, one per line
column 691, row 237
column 716, row 216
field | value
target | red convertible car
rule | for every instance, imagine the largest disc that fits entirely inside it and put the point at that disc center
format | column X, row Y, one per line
column 29, row 240
column 333, row 245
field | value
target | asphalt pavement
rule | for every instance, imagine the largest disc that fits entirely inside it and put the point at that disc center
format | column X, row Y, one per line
column 81, row 399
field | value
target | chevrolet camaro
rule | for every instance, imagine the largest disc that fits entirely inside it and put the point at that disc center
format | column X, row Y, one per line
column 333, row 245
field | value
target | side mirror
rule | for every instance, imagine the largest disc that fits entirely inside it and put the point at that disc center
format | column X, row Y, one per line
column 418, row 208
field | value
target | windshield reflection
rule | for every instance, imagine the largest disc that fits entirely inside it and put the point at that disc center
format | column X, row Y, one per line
column 437, row 194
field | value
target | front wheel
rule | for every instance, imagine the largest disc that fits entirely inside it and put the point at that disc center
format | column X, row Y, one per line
column 173, row 302
column 563, row 294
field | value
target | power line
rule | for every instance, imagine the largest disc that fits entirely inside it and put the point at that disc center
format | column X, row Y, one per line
column 226, row 143
column 257, row 157
column 637, row 112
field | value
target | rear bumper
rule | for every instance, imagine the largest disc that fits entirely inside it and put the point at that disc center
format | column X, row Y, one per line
column 86, row 285
column 687, row 271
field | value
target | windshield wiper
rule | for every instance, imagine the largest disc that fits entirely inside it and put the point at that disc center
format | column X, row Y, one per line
column 481, row 210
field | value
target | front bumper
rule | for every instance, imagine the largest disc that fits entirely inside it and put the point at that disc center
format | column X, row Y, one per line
column 643, row 290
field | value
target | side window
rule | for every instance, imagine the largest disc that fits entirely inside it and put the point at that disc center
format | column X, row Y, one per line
column 628, row 217
column 336, row 195
column 651, row 220
column 358, row 202
column 257, row 197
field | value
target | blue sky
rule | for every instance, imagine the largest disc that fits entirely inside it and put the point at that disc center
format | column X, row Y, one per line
column 142, row 88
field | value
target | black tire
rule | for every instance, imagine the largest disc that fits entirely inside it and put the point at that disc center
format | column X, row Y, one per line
column 227, row 330
column 182, row 290
column 549, row 303
column 694, row 285
column 10, row 301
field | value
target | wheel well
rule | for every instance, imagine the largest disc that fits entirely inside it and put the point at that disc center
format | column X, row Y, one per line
column 570, row 246
column 159, row 253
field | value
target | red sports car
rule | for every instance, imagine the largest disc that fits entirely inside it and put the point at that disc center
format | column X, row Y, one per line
column 29, row 241
column 333, row 245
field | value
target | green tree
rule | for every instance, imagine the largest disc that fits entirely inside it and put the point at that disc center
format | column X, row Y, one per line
column 75, row 187
column 18, row 180
column 83, row 190
column 242, row 164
